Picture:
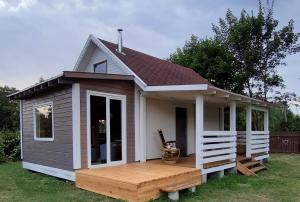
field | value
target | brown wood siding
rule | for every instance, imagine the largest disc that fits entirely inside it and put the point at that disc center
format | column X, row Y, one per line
column 114, row 87
column 57, row 153
column 285, row 143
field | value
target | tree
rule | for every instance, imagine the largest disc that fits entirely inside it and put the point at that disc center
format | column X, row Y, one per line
column 258, row 47
column 210, row 59
column 8, row 110
column 287, row 120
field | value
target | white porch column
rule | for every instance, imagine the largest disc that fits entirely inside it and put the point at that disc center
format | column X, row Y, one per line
column 233, row 126
column 142, row 128
column 266, row 121
column 232, row 116
column 199, row 130
column 248, row 130
column 222, row 118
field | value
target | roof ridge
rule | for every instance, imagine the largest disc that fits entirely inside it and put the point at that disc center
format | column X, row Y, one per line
column 147, row 55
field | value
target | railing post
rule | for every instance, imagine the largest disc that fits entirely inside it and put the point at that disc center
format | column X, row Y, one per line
column 248, row 130
column 199, row 131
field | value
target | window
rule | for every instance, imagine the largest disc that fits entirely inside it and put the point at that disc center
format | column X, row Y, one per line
column 43, row 122
column 100, row 67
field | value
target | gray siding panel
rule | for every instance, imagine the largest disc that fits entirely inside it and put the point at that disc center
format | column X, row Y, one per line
column 58, row 153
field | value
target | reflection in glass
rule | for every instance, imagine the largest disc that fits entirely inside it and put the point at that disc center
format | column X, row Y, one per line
column 115, row 130
column 43, row 121
column 98, row 130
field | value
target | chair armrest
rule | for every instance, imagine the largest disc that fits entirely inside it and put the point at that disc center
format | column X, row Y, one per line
column 171, row 142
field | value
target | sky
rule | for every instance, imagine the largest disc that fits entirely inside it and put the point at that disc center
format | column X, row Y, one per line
column 43, row 38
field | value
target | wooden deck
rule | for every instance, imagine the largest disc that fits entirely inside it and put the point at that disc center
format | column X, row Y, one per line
column 137, row 181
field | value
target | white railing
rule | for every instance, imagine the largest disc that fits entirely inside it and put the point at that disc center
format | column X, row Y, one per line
column 218, row 146
column 257, row 143
column 259, row 146
column 241, row 137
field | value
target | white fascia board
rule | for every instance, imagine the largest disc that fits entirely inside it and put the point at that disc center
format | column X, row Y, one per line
column 264, row 109
column 47, row 80
column 82, row 53
column 191, row 87
column 56, row 172
column 100, row 45
column 248, row 99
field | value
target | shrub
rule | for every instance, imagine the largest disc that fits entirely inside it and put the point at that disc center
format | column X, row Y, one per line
column 10, row 145
column 2, row 154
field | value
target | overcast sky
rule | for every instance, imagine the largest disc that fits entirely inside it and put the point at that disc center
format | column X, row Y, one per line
column 43, row 38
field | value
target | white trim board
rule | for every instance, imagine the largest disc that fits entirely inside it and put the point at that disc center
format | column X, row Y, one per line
column 100, row 45
column 137, row 123
column 191, row 87
column 56, row 172
column 21, row 127
column 76, row 125
column 34, row 121
column 107, row 96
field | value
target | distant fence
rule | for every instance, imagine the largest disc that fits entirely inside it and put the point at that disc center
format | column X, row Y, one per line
column 284, row 143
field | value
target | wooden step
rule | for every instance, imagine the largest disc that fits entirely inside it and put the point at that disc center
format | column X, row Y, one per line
column 177, row 187
column 258, row 168
column 244, row 159
column 244, row 170
column 251, row 164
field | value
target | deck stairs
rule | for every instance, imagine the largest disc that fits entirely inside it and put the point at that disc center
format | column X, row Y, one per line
column 249, row 166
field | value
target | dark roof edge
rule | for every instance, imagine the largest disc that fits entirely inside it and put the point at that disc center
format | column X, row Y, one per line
column 66, row 78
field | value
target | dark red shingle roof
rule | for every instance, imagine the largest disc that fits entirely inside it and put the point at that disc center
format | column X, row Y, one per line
column 154, row 71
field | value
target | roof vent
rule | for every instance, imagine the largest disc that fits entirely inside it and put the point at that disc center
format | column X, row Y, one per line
column 120, row 41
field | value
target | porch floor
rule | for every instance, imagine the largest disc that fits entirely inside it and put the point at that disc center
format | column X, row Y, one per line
column 190, row 161
column 136, row 181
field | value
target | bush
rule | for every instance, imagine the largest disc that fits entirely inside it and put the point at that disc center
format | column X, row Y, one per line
column 10, row 145
column 2, row 155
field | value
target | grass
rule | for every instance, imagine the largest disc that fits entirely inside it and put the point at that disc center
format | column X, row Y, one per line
column 281, row 182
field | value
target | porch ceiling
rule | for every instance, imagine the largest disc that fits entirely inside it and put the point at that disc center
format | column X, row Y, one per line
column 211, row 95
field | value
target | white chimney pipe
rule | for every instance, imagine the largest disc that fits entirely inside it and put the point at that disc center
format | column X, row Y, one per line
column 120, row 41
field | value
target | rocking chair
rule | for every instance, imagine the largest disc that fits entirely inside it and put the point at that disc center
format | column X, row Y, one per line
column 169, row 153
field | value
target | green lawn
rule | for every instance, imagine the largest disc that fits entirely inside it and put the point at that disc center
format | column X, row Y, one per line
column 281, row 182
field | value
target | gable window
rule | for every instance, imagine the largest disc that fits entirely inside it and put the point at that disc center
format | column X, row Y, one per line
column 100, row 67
column 43, row 122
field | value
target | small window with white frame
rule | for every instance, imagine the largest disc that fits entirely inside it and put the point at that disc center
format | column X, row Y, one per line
column 101, row 67
column 43, row 122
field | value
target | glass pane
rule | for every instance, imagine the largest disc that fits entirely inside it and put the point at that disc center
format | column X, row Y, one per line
column 98, row 130
column 100, row 67
column 115, row 130
column 43, row 117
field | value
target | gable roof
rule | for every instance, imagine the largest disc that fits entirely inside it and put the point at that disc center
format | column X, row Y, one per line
column 154, row 71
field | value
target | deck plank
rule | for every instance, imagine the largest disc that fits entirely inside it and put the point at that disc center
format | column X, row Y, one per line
column 136, row 181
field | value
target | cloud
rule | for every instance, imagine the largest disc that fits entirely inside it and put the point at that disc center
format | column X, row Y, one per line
column 16, row 5
column 43, row 38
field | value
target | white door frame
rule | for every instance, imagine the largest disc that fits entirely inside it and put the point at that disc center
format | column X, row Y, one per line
column 108, row 96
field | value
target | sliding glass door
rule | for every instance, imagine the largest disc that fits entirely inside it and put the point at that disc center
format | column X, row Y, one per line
column 107, row 134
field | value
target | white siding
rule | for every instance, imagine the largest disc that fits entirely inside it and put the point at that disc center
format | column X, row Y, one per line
column 99, row 56
column 211, row 117
column 95, row 55
column 161, row 115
